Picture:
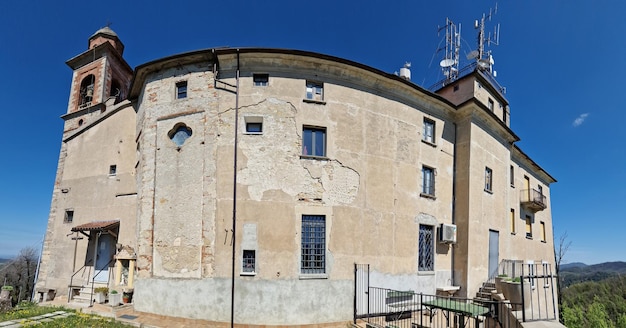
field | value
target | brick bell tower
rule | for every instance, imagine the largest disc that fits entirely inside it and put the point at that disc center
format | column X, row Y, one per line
column 101, row 78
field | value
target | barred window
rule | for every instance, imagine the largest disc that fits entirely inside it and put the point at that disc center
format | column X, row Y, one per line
column 313, row 258
column 249, row 260
column 426, row 260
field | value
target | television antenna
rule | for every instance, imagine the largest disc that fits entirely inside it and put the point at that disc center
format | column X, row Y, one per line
column 450, row 62
column 484, row 59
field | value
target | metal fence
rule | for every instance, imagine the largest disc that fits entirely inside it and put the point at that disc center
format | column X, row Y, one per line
column 407, row 309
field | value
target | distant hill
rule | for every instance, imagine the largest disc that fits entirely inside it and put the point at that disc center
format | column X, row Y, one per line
column 573, row 265
column 573, row 273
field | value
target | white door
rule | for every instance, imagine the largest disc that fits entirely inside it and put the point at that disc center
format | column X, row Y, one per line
column 105, row 251
column 494, row 253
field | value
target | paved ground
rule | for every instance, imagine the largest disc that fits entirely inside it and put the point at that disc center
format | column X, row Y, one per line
column 127, row 314
column 40, row 318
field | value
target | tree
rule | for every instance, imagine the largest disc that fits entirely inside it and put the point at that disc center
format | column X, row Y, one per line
column 560, row 251
column 597, row 315
column 20, row 273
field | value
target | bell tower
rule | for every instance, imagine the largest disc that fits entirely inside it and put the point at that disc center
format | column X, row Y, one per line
column 101, row 78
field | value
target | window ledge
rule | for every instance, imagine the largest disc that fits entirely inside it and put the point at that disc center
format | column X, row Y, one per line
column 429, row 196
column 513, row 233
column 253, row 133
column 513, row 186
column 312, row 276
column 425, row 273
column 247, row 273
column 321, row 158
column 313, row 101
column 489, row 191
column 543, row 241
column 529, row 237
column 434, row 145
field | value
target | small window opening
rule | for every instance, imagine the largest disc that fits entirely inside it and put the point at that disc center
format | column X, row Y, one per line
column 86, row 90
column 112, row 170
column 69, row 216
column 181, row 90
column 254, row 124
column 260, row 80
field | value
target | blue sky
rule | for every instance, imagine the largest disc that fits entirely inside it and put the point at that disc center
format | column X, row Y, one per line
column 560, row 61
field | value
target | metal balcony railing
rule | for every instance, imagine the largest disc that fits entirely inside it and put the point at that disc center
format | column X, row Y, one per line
column 533, row 200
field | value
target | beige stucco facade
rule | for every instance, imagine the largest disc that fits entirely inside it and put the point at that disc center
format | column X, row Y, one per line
column 379, row 184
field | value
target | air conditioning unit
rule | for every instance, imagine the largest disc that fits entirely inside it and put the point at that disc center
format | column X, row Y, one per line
column 447, row 233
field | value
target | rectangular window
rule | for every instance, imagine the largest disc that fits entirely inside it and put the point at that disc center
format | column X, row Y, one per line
column 260, row 80
column 426, row 260
column 429, row 131
column 69, row 216
column 314, row 91
column 249, row 259
column 313, row 253
column 512, row 221
column 254, row 124
column 428, row 181
column 488, row 179
column 543, row 231
column 490, row 104
column 314, row 141
column 529, row 227
column 512, row 176
column 112, row 170
column 181, row 90
column 540, row 189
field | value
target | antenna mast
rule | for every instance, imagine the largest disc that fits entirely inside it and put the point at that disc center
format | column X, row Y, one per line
column 483, row 57
column 450, row 63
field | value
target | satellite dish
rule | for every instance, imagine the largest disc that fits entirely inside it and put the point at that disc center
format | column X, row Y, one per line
column 483, row 64
column 447, row 62
column 473, row 54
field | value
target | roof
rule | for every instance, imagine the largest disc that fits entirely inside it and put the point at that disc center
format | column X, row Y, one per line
column 105, row 30
column 97, row 226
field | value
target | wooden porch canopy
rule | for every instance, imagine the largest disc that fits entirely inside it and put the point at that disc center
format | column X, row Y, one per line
column 98, row 226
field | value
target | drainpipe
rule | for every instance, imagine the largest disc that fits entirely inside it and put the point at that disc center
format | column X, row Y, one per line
column 232, row 291
column 454, row 159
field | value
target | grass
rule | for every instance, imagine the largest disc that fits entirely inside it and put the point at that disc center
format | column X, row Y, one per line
column 26, row 310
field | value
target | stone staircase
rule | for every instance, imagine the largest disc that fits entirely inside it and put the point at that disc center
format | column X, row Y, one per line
column 484, row 293
column 83, row 293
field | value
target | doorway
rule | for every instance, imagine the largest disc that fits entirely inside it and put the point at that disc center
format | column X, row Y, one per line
column 494, row 253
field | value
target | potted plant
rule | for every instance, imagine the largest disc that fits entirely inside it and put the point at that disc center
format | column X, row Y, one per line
column 115, row 298
column 128, row 296
column 6, row 292
column 498, row 282
column 101, row 294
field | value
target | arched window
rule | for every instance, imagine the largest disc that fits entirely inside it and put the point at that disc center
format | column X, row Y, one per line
column 86, row 90
column 179, row 134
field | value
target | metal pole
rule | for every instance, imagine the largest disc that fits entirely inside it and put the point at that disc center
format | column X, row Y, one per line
column 232, row 292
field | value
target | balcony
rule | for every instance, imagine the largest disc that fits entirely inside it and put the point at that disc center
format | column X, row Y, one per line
column 533, row 200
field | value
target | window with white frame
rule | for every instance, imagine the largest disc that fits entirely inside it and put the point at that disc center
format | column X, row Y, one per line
column 181, row 90
column 314, row 141
column 429, row 131
column 428, row 181
column 260, row 80
column 314, row 91
column 488, row 179
column 254, row 124
column 426, row 252
column 313, row 244
column 529, row 227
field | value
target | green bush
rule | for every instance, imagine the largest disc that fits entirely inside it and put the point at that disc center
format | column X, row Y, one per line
column 7, row 287
column 103, row 290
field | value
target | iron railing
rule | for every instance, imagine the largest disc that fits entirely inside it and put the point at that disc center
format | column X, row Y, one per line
column 407, row 309
column 533, row 199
